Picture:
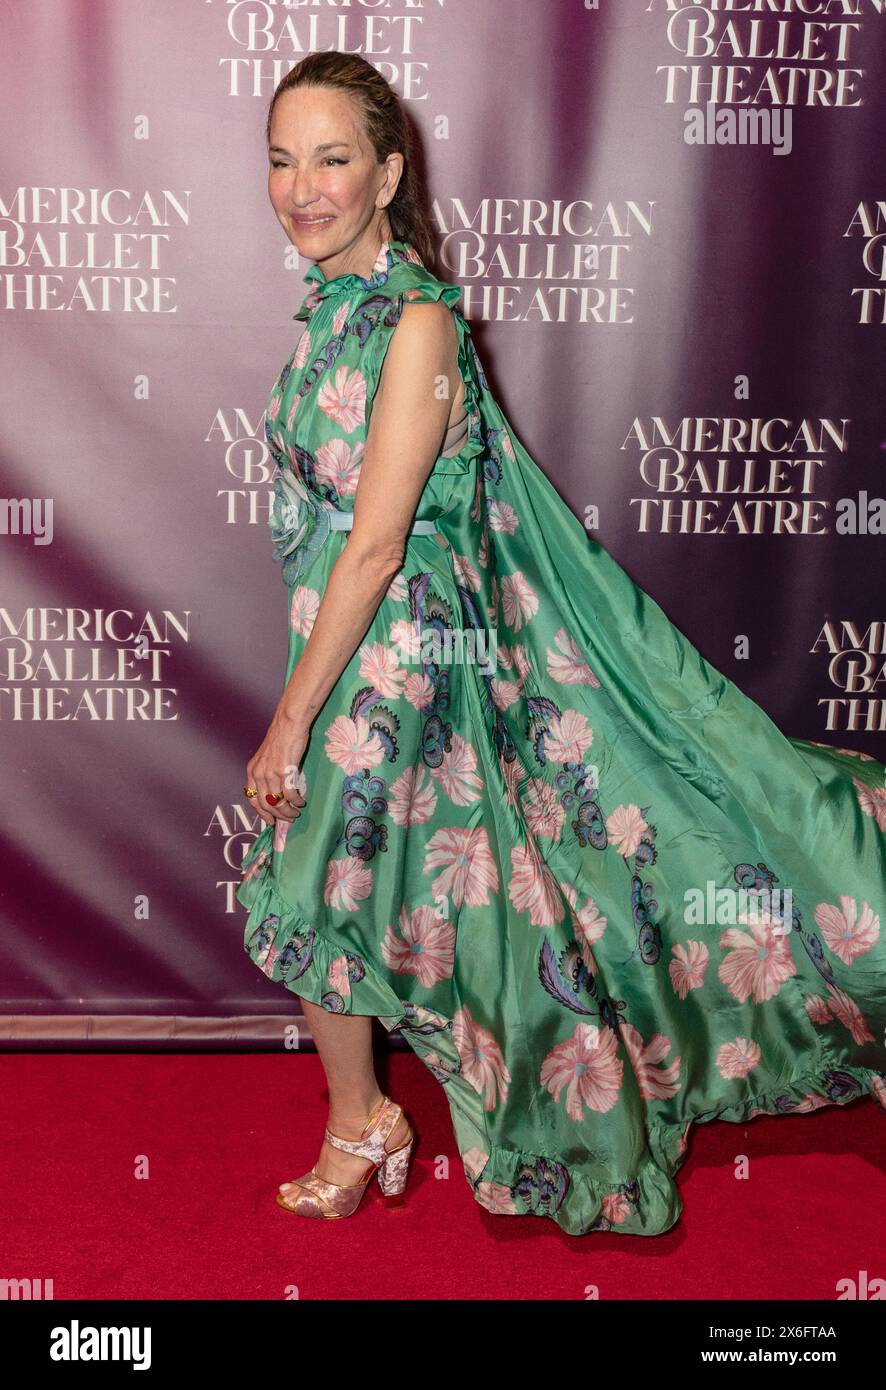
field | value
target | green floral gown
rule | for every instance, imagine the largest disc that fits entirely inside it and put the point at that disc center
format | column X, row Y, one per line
column 506, row 838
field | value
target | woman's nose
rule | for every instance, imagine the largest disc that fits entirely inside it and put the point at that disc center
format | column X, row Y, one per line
column 302, row 189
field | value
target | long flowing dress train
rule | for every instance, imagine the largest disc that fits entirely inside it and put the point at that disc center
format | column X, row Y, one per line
column 589, row 881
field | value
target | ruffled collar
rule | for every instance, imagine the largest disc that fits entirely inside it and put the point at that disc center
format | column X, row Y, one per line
column 390, row 252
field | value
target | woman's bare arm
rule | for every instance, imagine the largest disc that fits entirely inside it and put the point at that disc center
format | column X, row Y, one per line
column 406, row 429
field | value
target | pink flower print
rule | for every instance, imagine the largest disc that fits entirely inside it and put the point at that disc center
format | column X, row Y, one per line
column 338, row 976
column 419, row 690
column 656, row 1082
column 817, row 1009
column 512, row 773
column 482, row 1063
column 433, row 1059
column 616, row 1208
column 543, row 809
column 406, row 635
column 502, row 517
column 589, row 919
column 759, row 960
column 457, row 775
column 519, row 600
column 303, row 610
column 338, row 463
column 379, row 665
column 533, row 887
column 570, row 668
column 879, row 1085
column 344, row 402
column 425, row 946
column 513, row 659
column 253, row 870
column 352, row 745
column 274, row 405
column 281, row 830
column 504, row 693
column 586, row 1067
column 423, row 1016
column 340, row 317
column 588, row 923
column 626, row 827
column 465, row 573
column 348, row 883
column 735, row 1059
column 872, row 801
column 474, row 1161
column 266, row 959
column 506, row 444
column 398, row 589
column 521, row 660
column 850, row 753
column 483, row 558
column 569, row 737
column 412, row 799
column 290, row 419
column 813, row 1100
column 469, row 869
column 847, row 1012
column 496, row 1197
column 845, row 933
column 688, row 967
column 303, row 350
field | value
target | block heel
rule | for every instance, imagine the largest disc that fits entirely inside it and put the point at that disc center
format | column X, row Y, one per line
column 393, row 1174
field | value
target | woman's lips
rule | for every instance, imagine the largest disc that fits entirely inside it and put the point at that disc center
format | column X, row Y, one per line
column 308, row 224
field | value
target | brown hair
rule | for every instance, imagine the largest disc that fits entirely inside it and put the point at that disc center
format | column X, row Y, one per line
column 385, row 124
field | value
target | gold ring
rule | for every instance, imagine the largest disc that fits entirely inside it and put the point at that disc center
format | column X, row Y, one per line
column 250, row 791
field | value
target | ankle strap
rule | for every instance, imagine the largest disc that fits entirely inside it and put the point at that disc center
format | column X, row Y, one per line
column 375, row 1113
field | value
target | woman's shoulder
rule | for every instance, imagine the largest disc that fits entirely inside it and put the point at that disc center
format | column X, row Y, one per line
column 412, row 280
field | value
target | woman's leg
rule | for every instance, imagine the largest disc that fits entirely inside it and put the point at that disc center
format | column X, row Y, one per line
column 344, row 1042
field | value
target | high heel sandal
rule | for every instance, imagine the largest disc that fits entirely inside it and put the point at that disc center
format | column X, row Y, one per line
column 332, row 1199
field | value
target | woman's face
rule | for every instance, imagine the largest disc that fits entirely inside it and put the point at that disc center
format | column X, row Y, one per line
column 326, row 187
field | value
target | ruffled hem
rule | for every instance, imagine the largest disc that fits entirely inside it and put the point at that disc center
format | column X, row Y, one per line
column 292, row 952
column 508, row 1182
column 504, row 1181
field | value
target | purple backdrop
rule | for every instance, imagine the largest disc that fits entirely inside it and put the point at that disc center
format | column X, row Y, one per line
column 685, row 328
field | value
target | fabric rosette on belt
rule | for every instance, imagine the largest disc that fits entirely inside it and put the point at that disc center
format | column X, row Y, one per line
column 299, row 525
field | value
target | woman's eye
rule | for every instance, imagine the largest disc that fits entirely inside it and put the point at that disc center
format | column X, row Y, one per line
column 330, row 159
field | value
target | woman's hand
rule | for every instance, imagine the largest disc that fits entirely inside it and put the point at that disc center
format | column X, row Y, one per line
column 276, row 767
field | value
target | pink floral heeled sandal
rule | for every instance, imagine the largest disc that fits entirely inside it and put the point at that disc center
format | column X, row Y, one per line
column 319, row 1197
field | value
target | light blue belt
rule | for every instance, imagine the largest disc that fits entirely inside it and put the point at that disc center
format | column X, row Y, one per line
column 344, row 521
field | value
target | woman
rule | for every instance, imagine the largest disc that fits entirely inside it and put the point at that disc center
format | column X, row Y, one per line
column 499, row 781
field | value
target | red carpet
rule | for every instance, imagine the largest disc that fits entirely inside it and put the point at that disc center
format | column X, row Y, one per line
column 219, row 1132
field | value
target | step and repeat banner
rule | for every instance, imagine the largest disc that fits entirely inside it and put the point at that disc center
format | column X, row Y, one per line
column 668, row 221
